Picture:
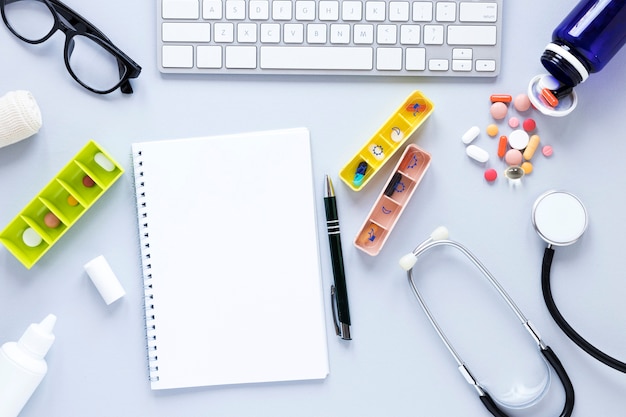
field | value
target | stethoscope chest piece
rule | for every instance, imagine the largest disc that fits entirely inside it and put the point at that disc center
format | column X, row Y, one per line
column 559, row 217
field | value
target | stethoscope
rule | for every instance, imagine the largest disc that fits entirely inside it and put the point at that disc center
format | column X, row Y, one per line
column 440, row 238
column 560, row 218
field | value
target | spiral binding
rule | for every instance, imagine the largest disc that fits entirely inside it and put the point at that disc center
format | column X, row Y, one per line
column 144, row 239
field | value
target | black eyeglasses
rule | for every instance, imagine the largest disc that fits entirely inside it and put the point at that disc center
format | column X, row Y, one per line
column 90, row 57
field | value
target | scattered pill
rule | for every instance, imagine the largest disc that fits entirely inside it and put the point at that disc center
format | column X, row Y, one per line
column 359, row 175
column 491, row 175
column 71, row 200
column 549, row 97
column 501, row 98
column 396, row 134
column 514, row 122
column 518, row 139
column 513, row 157
column 547, row 150
column 31, row 238
column 533, row 144
column 88, row 181
column 514, row 173
column 104, row 162
column 51, row 220
column 521, row 103
column 471, row 134
column 502, row 145
column 477, row 154
column 527, row 167
column 492, row 130
column 529, row 125
column 498, row 110
column 549, row 81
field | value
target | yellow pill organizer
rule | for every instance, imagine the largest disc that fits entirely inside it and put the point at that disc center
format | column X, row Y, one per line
column 393, row 200
column 386, row 141
column 66, row 197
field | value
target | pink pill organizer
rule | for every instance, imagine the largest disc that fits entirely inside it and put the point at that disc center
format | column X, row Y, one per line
column 393, row 199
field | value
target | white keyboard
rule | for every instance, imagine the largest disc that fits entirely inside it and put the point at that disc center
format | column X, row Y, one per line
column 406, row 38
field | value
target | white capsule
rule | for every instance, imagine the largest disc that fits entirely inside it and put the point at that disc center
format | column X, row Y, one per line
column 470, row 135
column 477, row 154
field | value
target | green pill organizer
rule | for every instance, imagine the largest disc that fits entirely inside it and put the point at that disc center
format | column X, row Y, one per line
column 386, row 141
column 60, row 204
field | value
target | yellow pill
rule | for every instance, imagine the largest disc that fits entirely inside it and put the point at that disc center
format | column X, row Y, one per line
column 527, row 167
column 492, row 130
column 533, row 144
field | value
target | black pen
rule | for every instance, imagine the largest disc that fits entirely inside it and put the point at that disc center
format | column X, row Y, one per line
column 339, row 291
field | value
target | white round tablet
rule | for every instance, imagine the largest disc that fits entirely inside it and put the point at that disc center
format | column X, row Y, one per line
column 518, row 139
column 31, row 238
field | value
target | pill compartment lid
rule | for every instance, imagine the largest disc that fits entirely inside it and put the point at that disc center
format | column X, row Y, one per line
column 566, row 105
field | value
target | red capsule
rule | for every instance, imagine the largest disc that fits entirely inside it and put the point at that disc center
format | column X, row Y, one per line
column 501, row 98
column 549, row 97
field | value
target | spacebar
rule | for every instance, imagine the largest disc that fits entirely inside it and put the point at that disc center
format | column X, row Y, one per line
column 320, row 58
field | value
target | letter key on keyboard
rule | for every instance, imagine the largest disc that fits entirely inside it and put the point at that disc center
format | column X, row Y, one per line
column 459, row 38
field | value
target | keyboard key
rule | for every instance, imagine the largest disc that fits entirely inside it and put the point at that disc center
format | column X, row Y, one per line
column 478, row 12
column 352, row 11
column 328, row 10
column 211, row 9
column 471, row 35
column 241, row 57
column 339, row 34
column 209, row 56
column 259, row 10
column 422, row 11
column 410, row 34
column 386, row 34
column 485, row 65
column 375, row 11
column 224, row 32
column 180, row 9
column 294, row 33
column 438, row 65
column 415, row 59
column 281, row 10
column 433, row 35
column 189, row 32
column 446, row 11
column 317, row 58
column 316, row 33
column 177, row 56
column 399, row 11
column 363, row 34
column 305, row 10
column 246, row 32
column 389, row 59
column 270, row 33
column 235, row 9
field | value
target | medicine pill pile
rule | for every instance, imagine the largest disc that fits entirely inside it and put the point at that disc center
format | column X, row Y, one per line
column 517, row 148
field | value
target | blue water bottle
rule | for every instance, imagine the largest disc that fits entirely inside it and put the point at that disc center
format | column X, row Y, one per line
column 586, row 40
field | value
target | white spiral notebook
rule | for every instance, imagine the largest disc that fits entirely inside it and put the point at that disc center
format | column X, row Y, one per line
column 230, row 259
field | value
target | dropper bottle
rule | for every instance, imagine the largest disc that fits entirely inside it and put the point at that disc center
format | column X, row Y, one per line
column 22, row 366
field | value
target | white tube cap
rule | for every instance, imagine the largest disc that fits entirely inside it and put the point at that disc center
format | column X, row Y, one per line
column 104, row 279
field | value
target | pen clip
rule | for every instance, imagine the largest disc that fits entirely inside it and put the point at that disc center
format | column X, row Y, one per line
column 333, row 304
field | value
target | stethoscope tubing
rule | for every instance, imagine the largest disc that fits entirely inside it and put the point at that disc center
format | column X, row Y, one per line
column 546, row 267
column 545, row 350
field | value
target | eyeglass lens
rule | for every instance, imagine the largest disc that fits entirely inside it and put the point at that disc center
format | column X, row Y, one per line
column 89, row 62
column 30, row 19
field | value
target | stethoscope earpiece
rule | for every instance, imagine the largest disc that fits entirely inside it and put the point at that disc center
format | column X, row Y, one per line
column 408, row 261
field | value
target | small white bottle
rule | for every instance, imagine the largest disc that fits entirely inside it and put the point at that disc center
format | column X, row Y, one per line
column 22, row 366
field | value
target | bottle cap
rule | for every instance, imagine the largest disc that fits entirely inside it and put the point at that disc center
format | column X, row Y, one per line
column 38, row 338
column 104, row 279
column 20, row 117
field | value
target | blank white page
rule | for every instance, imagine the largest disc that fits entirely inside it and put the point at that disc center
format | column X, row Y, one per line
column 231, row 259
